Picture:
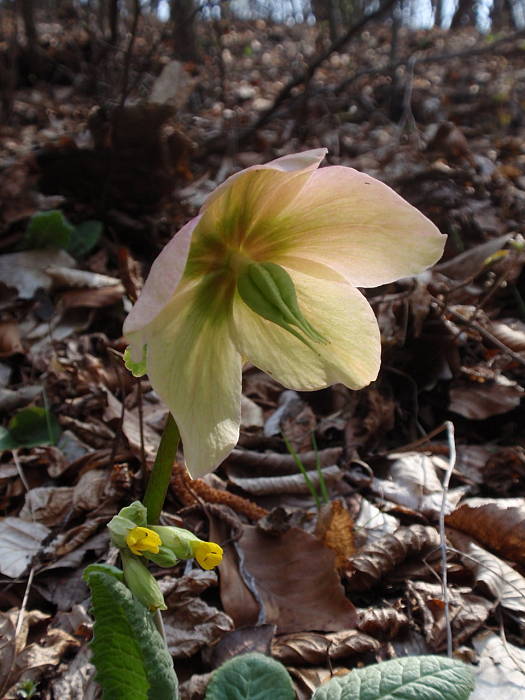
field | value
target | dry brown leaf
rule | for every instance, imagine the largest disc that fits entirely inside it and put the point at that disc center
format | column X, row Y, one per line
column 19, row 542
column 413, row 483
column 499, row 524
column 478, row 401
column 375, row 560
column 295, row 582
column 501, row 669
column 468, row 613
column 511, row 332
column 505, row 584
column 335, row 528
column 307, row 680
column 242, row 641
column 293, row 483
column 382, row 623
column 93, row 298
column 10, row 341
column 314, row 648
column 47, row 504
column 28, row 270
column 265, row 463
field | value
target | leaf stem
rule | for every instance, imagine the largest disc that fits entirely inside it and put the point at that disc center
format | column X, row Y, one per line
column 159, row 479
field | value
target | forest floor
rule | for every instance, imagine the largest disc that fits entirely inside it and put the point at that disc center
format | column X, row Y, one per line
column 128, row 157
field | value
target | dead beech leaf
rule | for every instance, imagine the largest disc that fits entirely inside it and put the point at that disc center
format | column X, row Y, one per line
column 482, row 400
column 28, row 270
column 295, row 582
column 376, row 559
column 335, row 528
column 7, row 650
column 65, row 276
column 10, row 341
column 501, row 669
column 413, row 483
column 275, row 463
column 505, row 584
column 19, row 542
column 382, row 623
column 131, row 427
column 307, row 680
column 499, row 524
column 373, row 523
column 78, row 681
column 511, row 332
column 314, row 648
column 192, row 624
column 36, row 658
column 242, row 641
column 92, row 298
column 468, row 613
column 293, row 483
column 47, row 504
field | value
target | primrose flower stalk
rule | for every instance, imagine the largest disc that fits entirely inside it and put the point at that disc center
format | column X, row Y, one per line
column 268, row 272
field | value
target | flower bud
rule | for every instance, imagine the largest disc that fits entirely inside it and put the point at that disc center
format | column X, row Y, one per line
column 126, row 520
column 142, row 539
column 141, row 583
column 164, row 557
column 208, row 554
column 185, row 545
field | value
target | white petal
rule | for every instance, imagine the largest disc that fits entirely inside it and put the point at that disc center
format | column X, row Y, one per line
column 195, row 368
column 340, row 313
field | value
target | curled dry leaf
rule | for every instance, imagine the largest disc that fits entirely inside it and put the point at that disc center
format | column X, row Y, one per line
column 499, row 524
column 307, row 680
column 468, row 613
column 242, row 641
column 505, row 584
column 314, row 648
column 65, row 276
column 275, row 463
column 19, row 542
column 293, row 483
column 375, row 560
column 10, row 341
column 192, row 624
column 511, row 332
column 382, row 623
column 373, row 523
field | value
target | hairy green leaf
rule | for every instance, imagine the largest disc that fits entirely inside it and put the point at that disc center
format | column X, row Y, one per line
column 30, row 427
column 48, row 229
column 251, row 677
column 409, row 678
column 129, row 654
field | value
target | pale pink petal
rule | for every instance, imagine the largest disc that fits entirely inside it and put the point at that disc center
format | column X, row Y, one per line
column 162, row 281
column 304, row 162
column 195, row 368
column 337, row 311
column 357, row 226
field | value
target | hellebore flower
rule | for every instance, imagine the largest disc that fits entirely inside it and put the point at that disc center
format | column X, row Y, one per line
column 268, row 272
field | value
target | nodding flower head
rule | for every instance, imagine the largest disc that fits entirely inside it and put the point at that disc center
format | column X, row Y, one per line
column 269, row 272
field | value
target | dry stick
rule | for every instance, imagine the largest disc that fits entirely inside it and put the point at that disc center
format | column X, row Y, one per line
column 129, row 51
column 21, row 612
column 442, row 534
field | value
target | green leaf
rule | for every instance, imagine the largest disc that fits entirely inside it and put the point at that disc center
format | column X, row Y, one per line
column 30, row 427
column 137, row 369
column 251, row 677
column 129, row 654
column 48, row 229
column 409, row 678
column 85, row 237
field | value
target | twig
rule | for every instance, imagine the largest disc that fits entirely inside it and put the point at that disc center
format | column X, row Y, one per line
column 19, row 469
column 20, row 618
column 482, row 331
column 442, row 534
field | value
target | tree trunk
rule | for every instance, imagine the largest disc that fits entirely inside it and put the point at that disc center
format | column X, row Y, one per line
column 26, row 9
column 465, row 14
column 182, row 14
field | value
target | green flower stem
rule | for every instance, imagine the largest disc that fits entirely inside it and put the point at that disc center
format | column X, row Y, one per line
column 159, row 479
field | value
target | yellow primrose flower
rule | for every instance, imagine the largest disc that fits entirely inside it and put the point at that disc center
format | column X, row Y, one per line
column 142, row 539
column 208, row 554
column 268, row 272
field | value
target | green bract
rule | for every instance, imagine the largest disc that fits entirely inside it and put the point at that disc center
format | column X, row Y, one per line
column 141, row 583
